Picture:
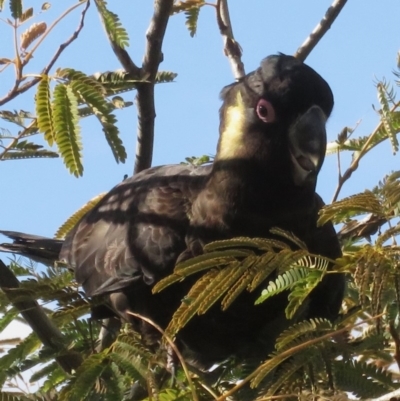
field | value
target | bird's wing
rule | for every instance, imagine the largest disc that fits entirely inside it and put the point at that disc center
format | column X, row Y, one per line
column 136, row 232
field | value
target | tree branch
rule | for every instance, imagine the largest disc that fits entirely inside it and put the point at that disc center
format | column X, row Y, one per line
column 45, row 329
column 145, row 92
column 232, row 48
column 18, row 90
column 320, row 30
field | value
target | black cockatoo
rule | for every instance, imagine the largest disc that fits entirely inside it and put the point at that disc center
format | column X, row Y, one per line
column 271, row 147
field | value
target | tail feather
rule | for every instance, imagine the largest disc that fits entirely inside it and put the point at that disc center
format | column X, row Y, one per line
column 40, row 249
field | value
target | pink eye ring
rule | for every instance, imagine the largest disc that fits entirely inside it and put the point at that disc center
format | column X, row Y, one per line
column 265, row 111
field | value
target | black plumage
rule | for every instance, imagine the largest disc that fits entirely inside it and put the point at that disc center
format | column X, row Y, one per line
column 271, row 148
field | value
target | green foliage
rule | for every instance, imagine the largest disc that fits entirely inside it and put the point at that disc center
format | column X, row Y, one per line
column 386, row 96
column 44, row 110
column 245, row 263
column 191, row 8
column 80, row 386
column 16, row 8
column 388, row 127
column 197, row 161
column 67, row 131
column 67, row 226
column 365, row 381
column 112, row 24
column 58, row 118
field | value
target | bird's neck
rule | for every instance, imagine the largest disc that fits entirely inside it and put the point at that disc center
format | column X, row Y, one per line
column 240, row 194
column 246, row 184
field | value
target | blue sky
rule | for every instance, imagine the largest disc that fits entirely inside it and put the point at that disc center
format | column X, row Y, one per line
column 39, row 195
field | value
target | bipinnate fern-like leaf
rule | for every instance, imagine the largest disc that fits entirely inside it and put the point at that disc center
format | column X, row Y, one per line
column 389, row 190
column 252, row 267
column 366, row 202
column 283, row 282
column 285, row 373
column 184, row 5
column 24, row 149
column 27, row 14
column 17, row 354
column 191, row 8
column 112, row 25
column 305, row 347
column 91, row 95
column 71, row 222
column 115, row 385
column 191, row 303
column 32, row 33
column 294, row 333
column 84, row 379
column 119, row 81
column 44, row 111
column 165, row 77
column 373, row 270
column 379, row 135
column 112, row 136
column 300, row 280
column 301, row 290
column 289, row 236
column 388, row 234
column 45, row 371
column 70, row 74
column 16, row 8
column 7, row 318
column 67, row 131
column 198, row 264
column 240, row 264
column 131, row 356
column 132, row 365
column 385, row 95
column 192, row 16
column 363, row 380
column 262, row 244
column 29, row 154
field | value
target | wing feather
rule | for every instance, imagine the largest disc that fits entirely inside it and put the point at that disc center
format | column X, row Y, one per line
column 136, row 232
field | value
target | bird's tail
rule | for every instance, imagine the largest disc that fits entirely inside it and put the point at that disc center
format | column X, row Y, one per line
column 40, row 249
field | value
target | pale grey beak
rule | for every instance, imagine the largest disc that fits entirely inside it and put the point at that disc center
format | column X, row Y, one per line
column 307, row 142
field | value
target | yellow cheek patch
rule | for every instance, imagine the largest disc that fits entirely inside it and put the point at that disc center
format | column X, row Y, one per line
column 232, row 138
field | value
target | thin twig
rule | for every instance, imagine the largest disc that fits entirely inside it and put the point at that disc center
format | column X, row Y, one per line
column 174, row 347
column 320, row 30
column 232, row 48
column 73, row 37
column 34, row 315
column 145, row 92
column 18, row 90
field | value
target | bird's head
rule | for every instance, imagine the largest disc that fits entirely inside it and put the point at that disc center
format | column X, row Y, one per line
column 275, row 117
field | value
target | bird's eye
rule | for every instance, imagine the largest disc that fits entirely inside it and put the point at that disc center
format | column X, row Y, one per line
column 265, row 111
